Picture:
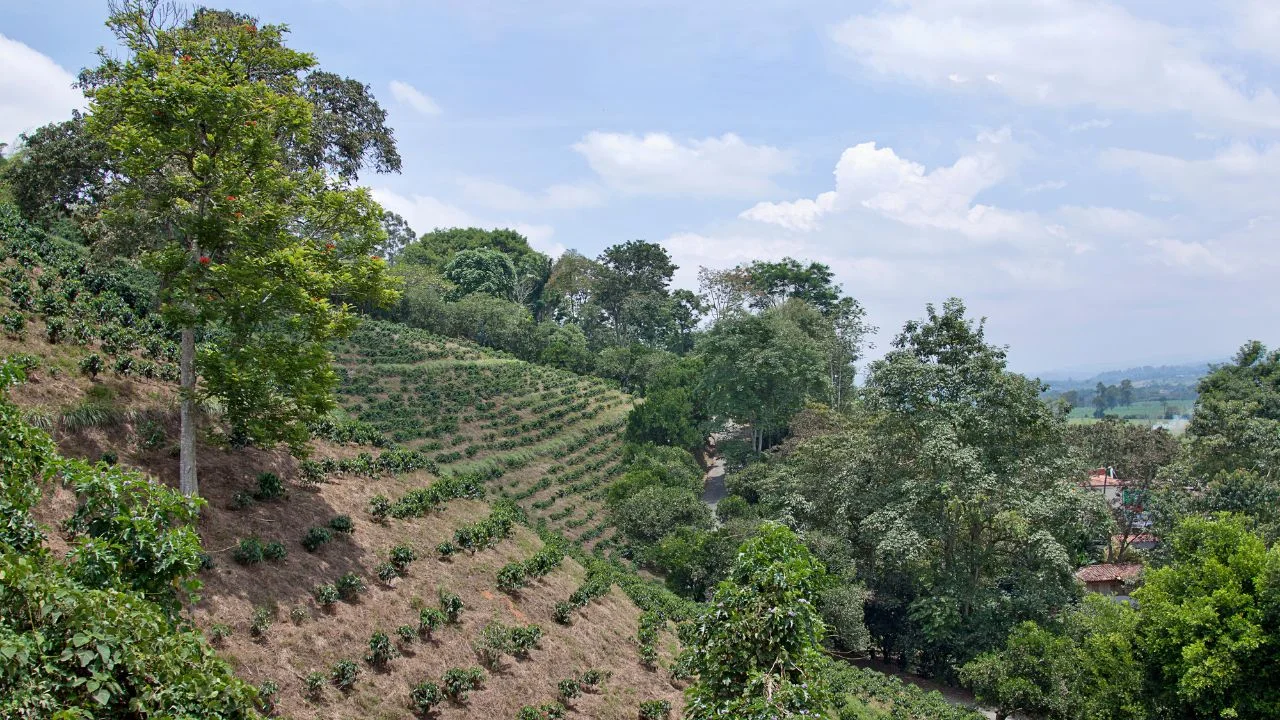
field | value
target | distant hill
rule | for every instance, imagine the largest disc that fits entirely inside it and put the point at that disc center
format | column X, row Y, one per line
column 1185, row 375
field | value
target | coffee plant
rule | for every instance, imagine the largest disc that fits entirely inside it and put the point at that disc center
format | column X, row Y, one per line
column 401, row 556
column 315, row 537
column 450, row 605
column 326, row 595
column 430, row 620
column 249, row 551
column 269, row 487
column 459, row 682
column 274, row 551
column 342, row 524
column 262, row 619
column 386, row 572
column 569, row 689
column 344, row 674
column 314, row 684
column 349, row 586
column 425, row 696
column 655, row 710
column 381, row 651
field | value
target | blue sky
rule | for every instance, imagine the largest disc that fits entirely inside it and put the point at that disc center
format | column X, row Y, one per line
column 1098, row 178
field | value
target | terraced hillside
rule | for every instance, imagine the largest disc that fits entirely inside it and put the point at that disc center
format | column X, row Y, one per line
column 548, row 439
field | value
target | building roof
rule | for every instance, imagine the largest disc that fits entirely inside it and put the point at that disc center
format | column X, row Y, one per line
column 1109, row 572
column 1099, row 479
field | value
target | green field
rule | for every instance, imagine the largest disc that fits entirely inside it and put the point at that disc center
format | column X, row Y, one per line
column 1145, row 412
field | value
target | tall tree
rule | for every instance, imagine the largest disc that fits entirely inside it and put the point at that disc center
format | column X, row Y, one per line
column 631, row 287
column 760, row 370
column 56, row 169
column 1210, row 622
column 256, row 250
column 971, row 510
column 769, row 284
column 481, row 270
column 570, row 286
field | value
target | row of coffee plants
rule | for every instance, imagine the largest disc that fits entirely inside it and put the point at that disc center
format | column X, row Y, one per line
column 515, row 575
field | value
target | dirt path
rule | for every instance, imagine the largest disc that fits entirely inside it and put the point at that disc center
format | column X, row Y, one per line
column 713, row 488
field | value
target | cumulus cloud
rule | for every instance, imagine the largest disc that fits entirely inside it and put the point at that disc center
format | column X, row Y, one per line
column 500, row 196
column 659, row 164
column 34, row 90
column 425, row 213
column 878, row 179
column 1096, row 124
column 407, row 94
column 1058, row 53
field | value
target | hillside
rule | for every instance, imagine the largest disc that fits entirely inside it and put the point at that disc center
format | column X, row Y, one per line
column 548, row 439
column 473, row 425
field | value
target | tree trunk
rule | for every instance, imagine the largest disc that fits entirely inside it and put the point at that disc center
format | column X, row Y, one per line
column 187, row 445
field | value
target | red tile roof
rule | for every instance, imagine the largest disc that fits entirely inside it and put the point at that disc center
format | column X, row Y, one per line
column 1109, row 572
column 1099, row 479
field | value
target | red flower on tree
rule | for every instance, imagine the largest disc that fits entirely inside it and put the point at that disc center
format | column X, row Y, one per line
column 238, row 214
column 329, row 246
column 231, row 198
column 204, row 260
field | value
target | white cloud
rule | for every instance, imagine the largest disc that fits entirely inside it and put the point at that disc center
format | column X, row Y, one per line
column 409, row 95
column 1059, row 53
column 1257, row 25
column 1193, row 256
column 877, row 179
column 1096, row 124
column 425, row 213
column 1047, row 185
column 1111, row 222
column 658, row 164
column 34, row 90
column 1239, row 176
column 500, row 196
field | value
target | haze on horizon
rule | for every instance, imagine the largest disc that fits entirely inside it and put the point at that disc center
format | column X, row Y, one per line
column 1097, row 178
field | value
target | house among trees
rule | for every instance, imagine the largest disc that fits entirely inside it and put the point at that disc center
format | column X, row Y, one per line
column 1114, row 579
column 1104, row 480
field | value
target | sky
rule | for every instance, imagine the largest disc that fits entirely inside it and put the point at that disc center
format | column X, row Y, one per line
column 1098, row 179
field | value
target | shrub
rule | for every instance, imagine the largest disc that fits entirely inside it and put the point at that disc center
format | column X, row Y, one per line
column 450, row 605
column 261, row 623
column 562, row 613
column 344, row 674
column 406, row 633
column 524, row 639
column 249, row 551
column 268, row 692
column 592, row 678
column 218, row 633
column 314, row 682
column 379, row 508
column 655, row 710
column 511, row 578
column 552, row 710
column 342, row 524
column 316, row 537
column 269, row 486
column 241, row 500
column 460, row 681
column 327, row 594
column 401, row 556
column 529, row 712
column 350, row 586
column 430, row 620
column 381, row 651
column 386, row 572
column 299, row 614
column 425, row 696
column 569, row 689
column 91, row 365
column 446, row 550
column 275, row 551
